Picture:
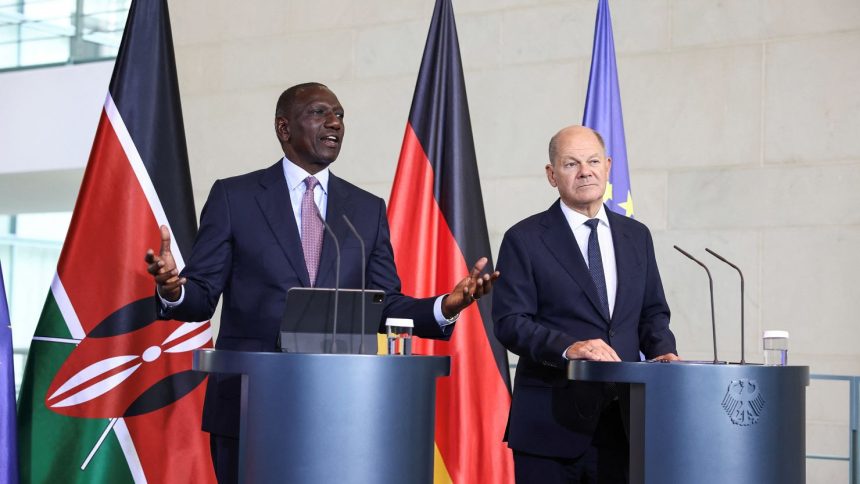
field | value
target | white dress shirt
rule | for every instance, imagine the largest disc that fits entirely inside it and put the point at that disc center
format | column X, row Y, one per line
column 295, row 177
column 581, row 232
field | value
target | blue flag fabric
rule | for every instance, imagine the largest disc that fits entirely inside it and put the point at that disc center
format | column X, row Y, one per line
column 603, row 112
column 8, row 440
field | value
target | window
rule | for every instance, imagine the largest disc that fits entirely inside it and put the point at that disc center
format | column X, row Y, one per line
column 30, row 246
column 45, row 32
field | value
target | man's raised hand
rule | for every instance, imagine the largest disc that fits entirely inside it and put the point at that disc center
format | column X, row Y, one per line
column 469, row 289
column 163, row 269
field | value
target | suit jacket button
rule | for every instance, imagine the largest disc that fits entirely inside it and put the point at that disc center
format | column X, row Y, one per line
column 611, row 333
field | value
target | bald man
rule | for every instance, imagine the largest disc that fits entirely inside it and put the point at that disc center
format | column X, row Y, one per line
column 581, row 282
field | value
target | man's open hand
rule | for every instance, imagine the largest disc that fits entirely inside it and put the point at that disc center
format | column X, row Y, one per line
column 469, row 289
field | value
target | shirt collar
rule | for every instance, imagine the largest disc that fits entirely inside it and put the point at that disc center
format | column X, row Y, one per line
column 576, row 219
column 296, row 176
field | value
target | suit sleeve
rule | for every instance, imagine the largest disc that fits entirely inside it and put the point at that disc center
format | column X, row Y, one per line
column 382, row 274
column 209, row 267
column 655, row 337
column 515, row 306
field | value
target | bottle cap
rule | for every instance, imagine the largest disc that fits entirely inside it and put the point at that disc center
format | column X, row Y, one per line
column 775, row 334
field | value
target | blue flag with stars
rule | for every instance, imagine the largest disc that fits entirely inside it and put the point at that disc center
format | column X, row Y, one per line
column 8, row 442
column 603, row 112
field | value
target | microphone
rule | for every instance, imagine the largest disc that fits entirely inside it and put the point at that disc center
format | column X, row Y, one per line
column 363, row 282
column 336, row 283
column 718, row 256
column 711, row 284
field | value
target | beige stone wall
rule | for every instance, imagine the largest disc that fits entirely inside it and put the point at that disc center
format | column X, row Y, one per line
column 742, row 120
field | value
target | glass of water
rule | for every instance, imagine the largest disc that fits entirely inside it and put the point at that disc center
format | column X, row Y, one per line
column 399, row 333
column 775, row 344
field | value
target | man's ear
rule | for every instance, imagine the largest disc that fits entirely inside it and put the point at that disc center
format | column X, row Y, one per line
column 550, row 175
column 282, row 128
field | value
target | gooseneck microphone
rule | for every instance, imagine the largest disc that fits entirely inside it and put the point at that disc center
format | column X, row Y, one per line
column 718, row 256
column 336, row 283
column 711, row 284
column 363, row 282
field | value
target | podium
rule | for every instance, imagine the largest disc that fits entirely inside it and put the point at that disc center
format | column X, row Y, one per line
column 311, row 418
column 711, row 423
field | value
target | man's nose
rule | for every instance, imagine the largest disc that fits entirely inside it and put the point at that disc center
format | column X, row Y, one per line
column 333, row 121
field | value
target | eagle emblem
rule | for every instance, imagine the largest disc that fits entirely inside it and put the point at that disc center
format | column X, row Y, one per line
column 743, row 402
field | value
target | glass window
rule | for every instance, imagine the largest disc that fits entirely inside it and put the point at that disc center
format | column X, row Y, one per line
column 40, row 32
column 30, row 246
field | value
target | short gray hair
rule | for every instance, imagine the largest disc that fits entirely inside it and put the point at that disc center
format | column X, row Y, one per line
column 553, row 142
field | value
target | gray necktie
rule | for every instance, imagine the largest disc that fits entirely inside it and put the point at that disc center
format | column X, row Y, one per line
column 312, row 229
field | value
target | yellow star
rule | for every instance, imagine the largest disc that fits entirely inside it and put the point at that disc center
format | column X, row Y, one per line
column 628, row 205
column 607, row 195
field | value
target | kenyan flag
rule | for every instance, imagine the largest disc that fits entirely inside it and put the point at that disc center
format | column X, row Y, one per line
column 108, row 393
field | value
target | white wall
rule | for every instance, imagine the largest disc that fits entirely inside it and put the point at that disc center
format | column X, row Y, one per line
column 50, row 116
column 47, row 123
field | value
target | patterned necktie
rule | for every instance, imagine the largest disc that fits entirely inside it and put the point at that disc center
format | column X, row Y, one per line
column 312, row 229
column 595, row 264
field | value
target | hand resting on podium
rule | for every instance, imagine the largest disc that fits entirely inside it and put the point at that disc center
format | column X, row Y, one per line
column 598, row 350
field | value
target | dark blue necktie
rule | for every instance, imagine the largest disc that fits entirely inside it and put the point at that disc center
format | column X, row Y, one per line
column 595, row 264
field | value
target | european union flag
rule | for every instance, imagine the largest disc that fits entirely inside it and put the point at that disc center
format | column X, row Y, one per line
column 603, row 112
column 8, row 439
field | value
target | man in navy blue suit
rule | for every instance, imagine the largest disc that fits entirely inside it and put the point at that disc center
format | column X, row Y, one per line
column 260, row 235
column 581, row 282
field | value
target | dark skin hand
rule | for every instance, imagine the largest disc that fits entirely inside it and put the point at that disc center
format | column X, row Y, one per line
column 469, row 289
column 163, row 269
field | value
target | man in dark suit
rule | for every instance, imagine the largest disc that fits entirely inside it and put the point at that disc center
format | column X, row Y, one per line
column 581, row 282
column 261, row 234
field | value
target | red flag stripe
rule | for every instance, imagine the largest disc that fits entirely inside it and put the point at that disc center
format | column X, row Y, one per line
column 101, row 266
column 471, row 409
column 133, row 156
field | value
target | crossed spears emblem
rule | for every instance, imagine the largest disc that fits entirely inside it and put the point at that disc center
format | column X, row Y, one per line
column 101, row 377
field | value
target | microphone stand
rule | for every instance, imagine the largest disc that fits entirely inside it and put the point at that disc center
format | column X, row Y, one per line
column 711, row 284
column 718, row 256
column 363, row 281
column 336, row 283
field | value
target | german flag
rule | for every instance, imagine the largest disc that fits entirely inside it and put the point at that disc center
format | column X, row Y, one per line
column 439, row 230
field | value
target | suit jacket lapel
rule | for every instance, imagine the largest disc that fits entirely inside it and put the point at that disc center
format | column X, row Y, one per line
column 337, row 205
column 274, row 201
column 626, row 260
column 562, row 245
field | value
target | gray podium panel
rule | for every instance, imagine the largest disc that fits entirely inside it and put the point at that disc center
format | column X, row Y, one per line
column 704, row 423
column 313, row 418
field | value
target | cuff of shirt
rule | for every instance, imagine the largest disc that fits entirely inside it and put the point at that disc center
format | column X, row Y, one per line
column 165, row 304
column 564, row 352
column 440, row 318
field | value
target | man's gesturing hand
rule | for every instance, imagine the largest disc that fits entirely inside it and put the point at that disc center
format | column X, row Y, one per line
column 163, row 269
column 469, row 289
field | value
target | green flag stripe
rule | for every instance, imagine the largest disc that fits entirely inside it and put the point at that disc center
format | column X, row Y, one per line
column 51, row 446
column 51, row 322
